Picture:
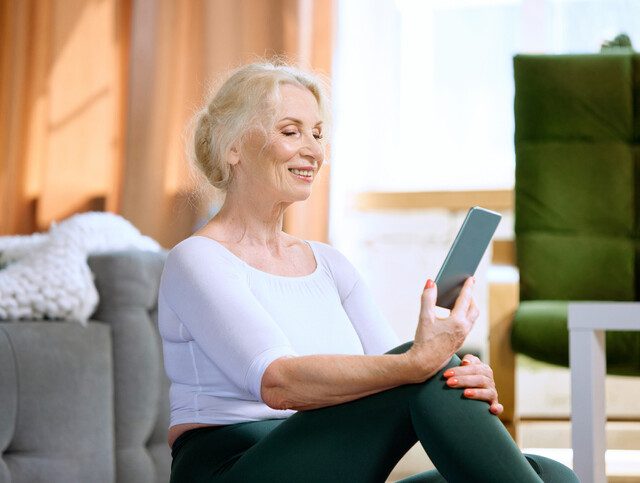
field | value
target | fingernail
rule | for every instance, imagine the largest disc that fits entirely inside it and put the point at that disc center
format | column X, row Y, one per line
column 469, row 392
column 449, row 373
column 465, row 363
column 452, row 382
column 429, row 284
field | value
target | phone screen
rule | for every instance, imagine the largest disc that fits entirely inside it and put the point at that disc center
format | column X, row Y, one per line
column 465, row 253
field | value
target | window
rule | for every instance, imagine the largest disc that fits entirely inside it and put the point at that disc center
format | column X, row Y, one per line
column 423, row 89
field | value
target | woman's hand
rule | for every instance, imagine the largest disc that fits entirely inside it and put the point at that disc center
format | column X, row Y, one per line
column 438, row 338
column 477, row 379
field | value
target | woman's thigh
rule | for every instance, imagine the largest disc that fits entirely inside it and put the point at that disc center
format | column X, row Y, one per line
column 361, row 441
column 358, row 442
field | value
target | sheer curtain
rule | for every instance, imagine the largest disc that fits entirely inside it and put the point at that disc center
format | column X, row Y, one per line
column 423, row 94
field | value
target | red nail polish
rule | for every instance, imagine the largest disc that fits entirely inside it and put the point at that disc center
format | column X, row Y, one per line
column 429, row 284
column 465, row 362
column 469, row 392
column 449, row 373
column 452, row 382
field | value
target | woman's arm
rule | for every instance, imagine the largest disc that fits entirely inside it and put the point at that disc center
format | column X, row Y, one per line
column 310, row 382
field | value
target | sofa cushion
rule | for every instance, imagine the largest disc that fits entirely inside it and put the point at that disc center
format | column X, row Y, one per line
column 56, row 423
column 540, row 331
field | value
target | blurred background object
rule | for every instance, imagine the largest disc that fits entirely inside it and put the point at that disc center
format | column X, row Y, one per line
column 96, row 94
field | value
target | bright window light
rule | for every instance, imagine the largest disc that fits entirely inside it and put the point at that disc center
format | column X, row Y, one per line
column 423, row 90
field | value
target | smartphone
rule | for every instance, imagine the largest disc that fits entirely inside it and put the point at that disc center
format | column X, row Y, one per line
column 465, row 253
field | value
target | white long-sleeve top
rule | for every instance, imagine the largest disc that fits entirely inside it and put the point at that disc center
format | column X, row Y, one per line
column 222, row 322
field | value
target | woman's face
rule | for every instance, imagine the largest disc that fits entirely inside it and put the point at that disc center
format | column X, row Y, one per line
column 286, row 164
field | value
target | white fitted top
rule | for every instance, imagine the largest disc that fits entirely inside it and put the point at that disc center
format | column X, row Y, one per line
column 222, row 322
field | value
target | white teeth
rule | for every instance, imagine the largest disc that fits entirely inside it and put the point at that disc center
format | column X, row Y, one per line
column 302, row 172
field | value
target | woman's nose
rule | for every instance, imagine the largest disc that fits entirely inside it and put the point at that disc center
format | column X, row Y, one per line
column 311, row 147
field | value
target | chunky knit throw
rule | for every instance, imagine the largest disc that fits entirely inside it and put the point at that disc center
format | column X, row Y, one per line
column 46, row 275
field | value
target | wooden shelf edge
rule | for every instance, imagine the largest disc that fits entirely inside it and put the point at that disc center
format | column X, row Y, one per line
column 451, row 200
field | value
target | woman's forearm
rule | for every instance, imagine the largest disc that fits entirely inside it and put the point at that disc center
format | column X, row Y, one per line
column 311, row 382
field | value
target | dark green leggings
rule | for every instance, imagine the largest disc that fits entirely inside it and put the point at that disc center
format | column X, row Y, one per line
column 362, row 441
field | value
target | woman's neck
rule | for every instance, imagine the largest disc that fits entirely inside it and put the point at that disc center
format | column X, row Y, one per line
column 251, row 221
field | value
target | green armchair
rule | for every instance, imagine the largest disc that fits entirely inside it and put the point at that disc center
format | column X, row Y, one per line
column 577, row 207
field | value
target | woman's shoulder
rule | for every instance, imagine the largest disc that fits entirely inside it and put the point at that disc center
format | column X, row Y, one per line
column 337, row 263
column 197, row 244
column 201, row 251
column 328, row 250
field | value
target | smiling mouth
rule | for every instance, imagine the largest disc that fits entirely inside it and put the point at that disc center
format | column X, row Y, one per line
column 305, row 174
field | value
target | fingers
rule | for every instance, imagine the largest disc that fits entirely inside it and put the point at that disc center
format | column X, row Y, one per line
column 464, row 300
column 469, row 368
column 471, row 365
column 476, row 378
column 428, row 301
column 488, row 395
column 474, row 381
column 496, row 408
column 470, row 359
column 473, row 312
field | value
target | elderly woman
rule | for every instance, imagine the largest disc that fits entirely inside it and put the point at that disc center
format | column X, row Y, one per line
column 282, row 367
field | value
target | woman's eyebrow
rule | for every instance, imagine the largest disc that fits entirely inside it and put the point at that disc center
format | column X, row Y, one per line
column 297, row 121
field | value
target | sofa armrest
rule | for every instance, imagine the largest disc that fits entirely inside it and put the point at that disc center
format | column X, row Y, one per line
column 56, row 395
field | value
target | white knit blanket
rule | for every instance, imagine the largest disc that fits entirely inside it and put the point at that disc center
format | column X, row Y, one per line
column 46, row 275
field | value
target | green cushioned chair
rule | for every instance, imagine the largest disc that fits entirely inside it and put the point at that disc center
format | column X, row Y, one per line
column 577, row 209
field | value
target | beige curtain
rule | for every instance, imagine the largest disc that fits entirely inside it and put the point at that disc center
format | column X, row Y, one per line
column 95, row 96
column 62, row 71
column 177, row 49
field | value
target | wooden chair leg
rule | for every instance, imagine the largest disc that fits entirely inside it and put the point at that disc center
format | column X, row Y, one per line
column 503, row 302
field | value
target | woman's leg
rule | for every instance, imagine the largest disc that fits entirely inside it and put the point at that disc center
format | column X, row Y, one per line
column 362, row 440
column 547, row 469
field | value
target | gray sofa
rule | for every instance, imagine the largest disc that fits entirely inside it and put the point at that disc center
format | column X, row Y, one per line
column 89, row 403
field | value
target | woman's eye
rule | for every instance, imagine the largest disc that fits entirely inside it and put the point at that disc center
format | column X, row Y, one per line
column 289, row 133
column 318, row 136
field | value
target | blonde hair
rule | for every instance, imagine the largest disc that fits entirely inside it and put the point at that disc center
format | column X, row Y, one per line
column 246, row 101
